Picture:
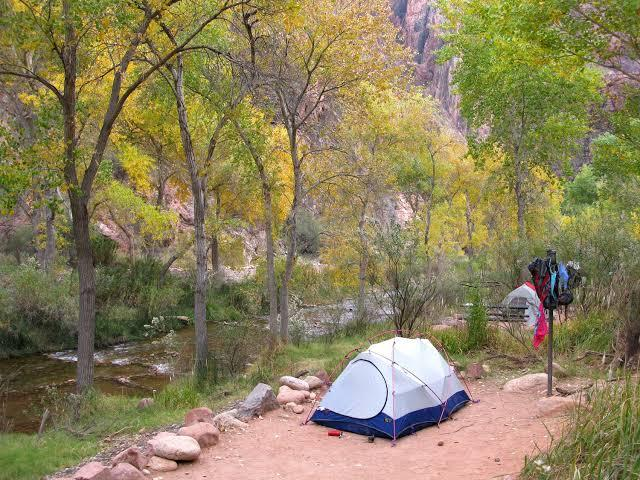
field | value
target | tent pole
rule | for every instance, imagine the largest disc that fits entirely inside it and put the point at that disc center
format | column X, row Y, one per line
column 550, row 356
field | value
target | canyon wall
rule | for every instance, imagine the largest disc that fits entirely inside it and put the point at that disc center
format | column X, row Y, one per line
column 418, row 21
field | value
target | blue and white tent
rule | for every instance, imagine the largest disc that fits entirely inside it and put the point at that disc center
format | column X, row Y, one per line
column 362, row 398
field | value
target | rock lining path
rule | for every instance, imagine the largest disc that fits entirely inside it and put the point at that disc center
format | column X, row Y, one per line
column 486, row 440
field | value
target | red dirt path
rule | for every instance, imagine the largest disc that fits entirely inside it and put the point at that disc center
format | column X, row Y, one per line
column 483, row 441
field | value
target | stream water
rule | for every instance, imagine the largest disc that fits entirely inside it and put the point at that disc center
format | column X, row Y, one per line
column 133, row 368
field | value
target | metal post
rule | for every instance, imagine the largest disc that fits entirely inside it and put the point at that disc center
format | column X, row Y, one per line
column 553, row 267
column 550, row 356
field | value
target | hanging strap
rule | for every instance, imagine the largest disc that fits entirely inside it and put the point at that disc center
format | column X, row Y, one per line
column 552, row 282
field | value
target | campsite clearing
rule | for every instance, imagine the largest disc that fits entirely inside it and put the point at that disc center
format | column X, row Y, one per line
column 482, row 441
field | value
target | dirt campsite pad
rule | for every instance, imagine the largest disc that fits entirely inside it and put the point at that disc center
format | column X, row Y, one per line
column 485, row 440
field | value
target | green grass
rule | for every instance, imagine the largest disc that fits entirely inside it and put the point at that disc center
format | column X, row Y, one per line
column 25, row 457
column 587, row 332
column 602, row 444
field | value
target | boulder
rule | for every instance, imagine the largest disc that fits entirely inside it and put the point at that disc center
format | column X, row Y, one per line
column 93, row 471
column 531, row 383
column 313, row 382
column 176, row 447
column 132, row 456
column 324, row 376
column 145, row 403
column 290, row 405
column 204, row 433
column 475, row 371
column 558, row 370
column 294, row 383
column 295, row 396
column 126, row 471
column 200, row 414
column 228, row 421
column 261, row 400
column 312, row 396
column 555, row 406
column 159, row 464
column 298, row 409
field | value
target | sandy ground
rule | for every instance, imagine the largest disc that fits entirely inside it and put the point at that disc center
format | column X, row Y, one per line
column 484, row 440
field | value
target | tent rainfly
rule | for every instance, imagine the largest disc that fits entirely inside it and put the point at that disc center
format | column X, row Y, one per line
column 392, row 389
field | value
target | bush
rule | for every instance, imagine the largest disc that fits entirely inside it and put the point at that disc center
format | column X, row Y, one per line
column 104, row 249
column 18, row 242
column 117, row 323
column 477, row 323
column 404, row 277
column 594, row 331
column 38, row 310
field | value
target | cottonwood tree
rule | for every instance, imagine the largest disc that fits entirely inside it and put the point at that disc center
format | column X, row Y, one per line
column 69, row 48
column 266, row 146
column 307, row 56
column 214, row 94
column 536, row 111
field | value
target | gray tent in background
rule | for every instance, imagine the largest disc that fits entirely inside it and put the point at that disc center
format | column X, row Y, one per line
column 524, row 296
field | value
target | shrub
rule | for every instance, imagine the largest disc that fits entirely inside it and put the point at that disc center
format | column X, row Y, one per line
column 477, row 323
column 104, row 249
column 404, row 277
column 18, row 242
column 39, row 310
column 594, row 331
column 117, row 323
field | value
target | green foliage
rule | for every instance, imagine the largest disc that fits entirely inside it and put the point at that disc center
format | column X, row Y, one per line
column 37, row 310
column 455, row 341
column 581, row 192
column 18, row 242
column 477, row 321
column 595, row 331
column 104, row 249
column 616, row 156
column 601, row 442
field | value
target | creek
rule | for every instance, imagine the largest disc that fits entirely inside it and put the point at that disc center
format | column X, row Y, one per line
column 135, row 368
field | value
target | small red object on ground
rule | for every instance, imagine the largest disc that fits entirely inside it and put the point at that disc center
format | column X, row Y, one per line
column 334, row 433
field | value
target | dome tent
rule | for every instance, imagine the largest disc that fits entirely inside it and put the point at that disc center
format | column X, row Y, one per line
column 524, row 296
column 392, row 389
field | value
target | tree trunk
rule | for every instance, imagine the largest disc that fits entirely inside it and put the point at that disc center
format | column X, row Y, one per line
column 429, row 203
column 87, row 282
column 160, row 192
column 363, row 265
column 215, row 254
column 470, row 226
column 198, row 192
column 520, row 193
column 78, row 200
column 272, row 287
column 291, row 231
column 50, row 241
column 215, row 244
column 427, row 221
